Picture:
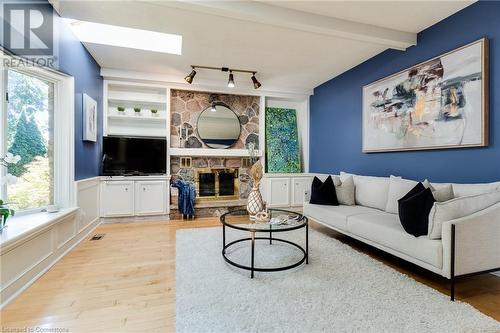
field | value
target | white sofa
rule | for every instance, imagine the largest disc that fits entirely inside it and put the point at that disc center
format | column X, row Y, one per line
column 468, row 245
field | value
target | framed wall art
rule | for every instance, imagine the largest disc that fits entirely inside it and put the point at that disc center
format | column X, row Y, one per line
column 282, row 141
column 440, row 103
column 89, row 119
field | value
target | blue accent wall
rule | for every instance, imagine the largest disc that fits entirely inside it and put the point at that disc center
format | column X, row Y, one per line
column 336, row 109
column 76, row 61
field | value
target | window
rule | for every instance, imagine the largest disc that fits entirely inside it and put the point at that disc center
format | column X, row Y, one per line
column 37, row 123
column 139, row 39
column 30, row 135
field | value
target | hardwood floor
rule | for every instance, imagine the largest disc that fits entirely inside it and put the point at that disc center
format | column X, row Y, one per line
column 126, row 282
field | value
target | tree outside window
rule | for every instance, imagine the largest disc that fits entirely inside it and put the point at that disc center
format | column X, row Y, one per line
column 30, row 135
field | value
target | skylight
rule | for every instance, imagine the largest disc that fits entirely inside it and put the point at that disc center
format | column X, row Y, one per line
column 113, row 35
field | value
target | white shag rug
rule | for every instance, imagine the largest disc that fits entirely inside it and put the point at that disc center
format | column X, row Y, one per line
column 341, row 290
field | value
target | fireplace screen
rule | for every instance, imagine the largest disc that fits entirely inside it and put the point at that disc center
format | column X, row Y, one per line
column 214, row 183
column 207, row 184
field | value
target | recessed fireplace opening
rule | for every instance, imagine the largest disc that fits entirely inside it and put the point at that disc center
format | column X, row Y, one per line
column 217, row 183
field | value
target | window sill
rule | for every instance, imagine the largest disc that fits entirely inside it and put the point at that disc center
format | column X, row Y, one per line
column 21, row 228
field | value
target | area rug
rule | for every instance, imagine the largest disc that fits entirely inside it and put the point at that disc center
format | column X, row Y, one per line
column 340, row 290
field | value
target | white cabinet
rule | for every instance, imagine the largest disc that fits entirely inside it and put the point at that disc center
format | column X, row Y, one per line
column 150, row 198
column 278, row 192
column 286, row 190
column 117, row 198
column 299, row 186
column 121, row 197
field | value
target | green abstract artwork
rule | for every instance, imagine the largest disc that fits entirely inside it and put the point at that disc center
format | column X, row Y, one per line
column 282, row 141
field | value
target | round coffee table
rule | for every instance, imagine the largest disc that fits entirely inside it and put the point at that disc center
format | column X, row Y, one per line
column 240, row 220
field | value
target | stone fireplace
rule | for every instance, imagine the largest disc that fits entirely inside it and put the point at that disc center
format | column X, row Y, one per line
column 222, row 183
column 225, row 184
column 186, row 107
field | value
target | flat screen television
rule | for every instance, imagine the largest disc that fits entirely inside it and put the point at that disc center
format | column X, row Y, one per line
column 124, row 156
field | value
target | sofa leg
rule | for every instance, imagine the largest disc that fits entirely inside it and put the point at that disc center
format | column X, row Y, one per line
column 452, row 264
column 452, row 289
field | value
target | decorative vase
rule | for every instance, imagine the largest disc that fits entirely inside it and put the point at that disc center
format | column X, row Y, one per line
column 255, row 204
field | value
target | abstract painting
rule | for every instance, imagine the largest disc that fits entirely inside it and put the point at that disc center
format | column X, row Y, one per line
column 282, row 141
column 441, row 103
column 89, row 118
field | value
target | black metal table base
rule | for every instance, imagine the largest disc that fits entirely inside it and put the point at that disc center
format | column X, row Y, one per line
column 252, row 268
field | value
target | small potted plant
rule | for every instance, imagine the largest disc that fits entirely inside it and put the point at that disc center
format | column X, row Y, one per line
column 5, row 212
column 154, row 112
column 137, row 111
column 121, row 110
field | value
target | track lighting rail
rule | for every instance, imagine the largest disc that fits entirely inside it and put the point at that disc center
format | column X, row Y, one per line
column 256, row 84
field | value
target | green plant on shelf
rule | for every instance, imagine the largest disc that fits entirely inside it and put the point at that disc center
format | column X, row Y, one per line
column 120, row 109
column 137, row 110
column 154, row 111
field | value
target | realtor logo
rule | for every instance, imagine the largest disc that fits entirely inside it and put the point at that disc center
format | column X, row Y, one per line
column 28, row 28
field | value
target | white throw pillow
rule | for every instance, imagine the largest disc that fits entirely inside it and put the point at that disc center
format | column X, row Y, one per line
column 344, row 190
column 441, row 192
column 445, row 193
column 457, row 208
column 369, row 191
column 398, row 188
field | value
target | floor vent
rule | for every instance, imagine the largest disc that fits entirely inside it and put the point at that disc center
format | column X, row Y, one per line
column 97, row 237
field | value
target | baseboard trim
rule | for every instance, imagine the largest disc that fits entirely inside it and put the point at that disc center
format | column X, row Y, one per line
column 132, row 219
column 56, row 257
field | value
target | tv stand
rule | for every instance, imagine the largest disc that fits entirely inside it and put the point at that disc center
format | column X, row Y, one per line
column 134, row 195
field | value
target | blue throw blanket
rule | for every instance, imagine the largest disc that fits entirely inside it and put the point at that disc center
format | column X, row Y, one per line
column 187, row 195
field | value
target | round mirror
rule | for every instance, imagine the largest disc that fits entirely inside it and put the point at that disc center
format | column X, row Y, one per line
column 218, row 126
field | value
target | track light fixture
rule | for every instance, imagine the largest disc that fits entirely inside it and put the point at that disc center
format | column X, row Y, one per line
column 256, row 83
column 190, row 77
column 230, row 82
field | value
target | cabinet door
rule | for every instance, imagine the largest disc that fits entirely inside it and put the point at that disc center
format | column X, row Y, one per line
column 150, row 197
column 278, row 192
column 299, row 186
column 117, row 198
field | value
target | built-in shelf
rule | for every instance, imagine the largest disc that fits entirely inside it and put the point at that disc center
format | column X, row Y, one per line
column 135, row 178
column 130, row 96
column 136, row 97
column 127, row 117
column 132, row 104
column 210, row 152
column 280, row 175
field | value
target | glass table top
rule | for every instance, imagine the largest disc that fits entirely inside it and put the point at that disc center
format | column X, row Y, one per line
column 277, row 220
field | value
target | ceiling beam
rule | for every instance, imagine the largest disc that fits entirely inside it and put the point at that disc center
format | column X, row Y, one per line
column 298, row 20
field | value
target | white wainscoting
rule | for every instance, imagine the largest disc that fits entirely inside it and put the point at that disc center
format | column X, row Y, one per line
column 34, row 243
column 88, row 199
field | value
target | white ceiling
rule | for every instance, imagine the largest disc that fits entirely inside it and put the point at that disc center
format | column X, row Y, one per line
column 411, row 16
column 294, row 46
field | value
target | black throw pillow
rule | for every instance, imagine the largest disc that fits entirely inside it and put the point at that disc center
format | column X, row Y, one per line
column 323, row 193
column 414, row 209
